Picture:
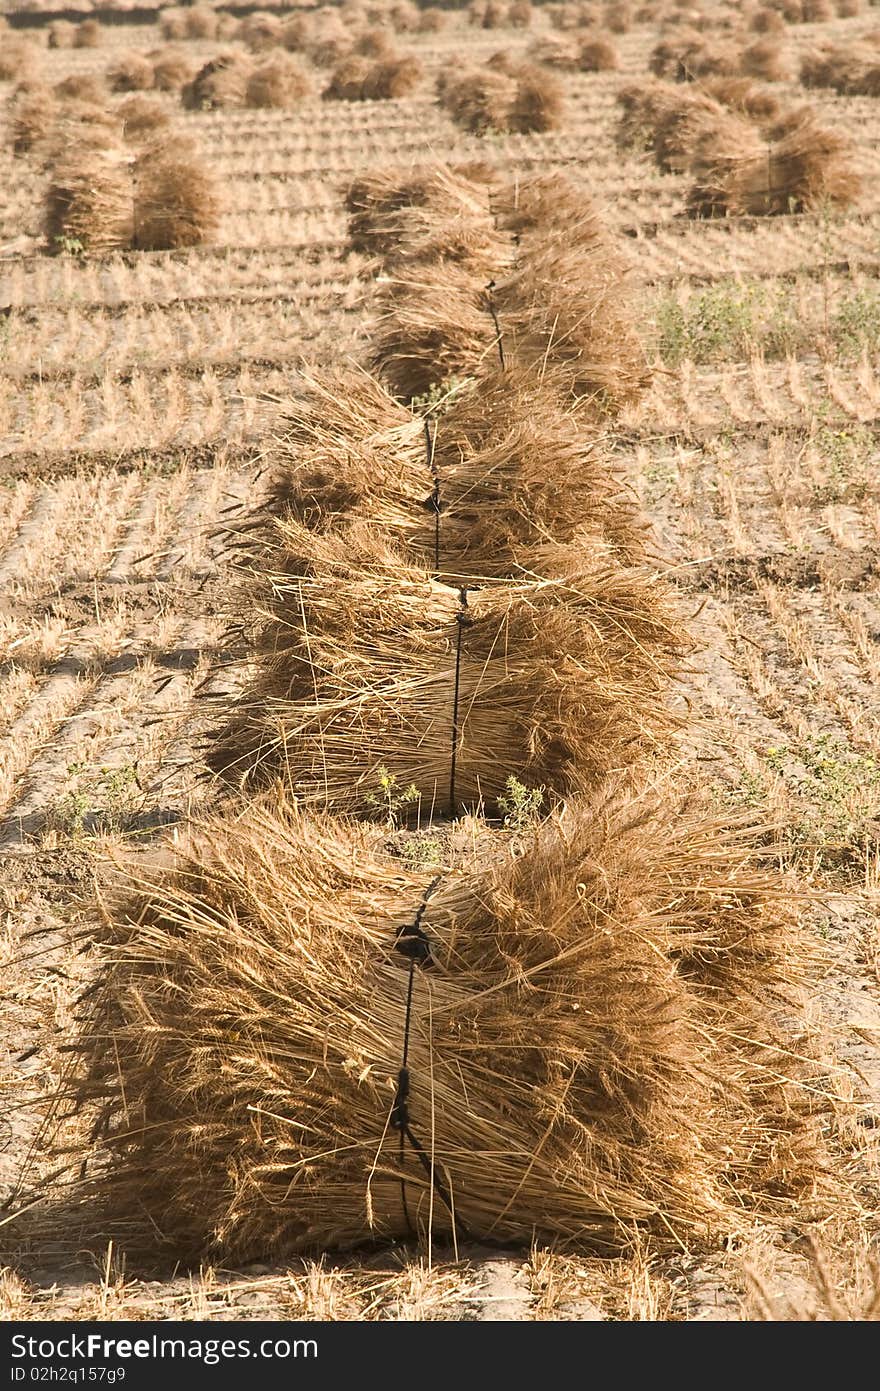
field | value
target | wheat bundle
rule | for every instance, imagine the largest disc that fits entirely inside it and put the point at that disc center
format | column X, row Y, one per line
column 538, row 104
column 766, row 60
column 392, row 78
column 142, row 117
column 512, row 467
column 593, row 1048
column 201, row 22
column 261, row 31
column 404, row 17
column 131, row 72
column 618, row 18
column 60, row 34
column 791, row 10
column 228, row 28
column 297, row 33
column 742, row 95
column 851, row 69
column 520, row 14
column 479, row 100
column 330, row 53
column 88, row 203
column 691, row 55
column 221, row 83
column 561, row 676
column 767, row 21
column 19, row 60
column 172, row 24
column 487, row 14
column 555, row 51
column 280, row 81
column 348, row 78
column 177, row 202
column 374, row 43
column 172, row 69
column 598, row 54
column 88, row 34
column 810, row 167
column 668, row 121
column 848, row 9
column 83, row 86
column 32, row 112
column 817, row 11
column 432, row 20
column 424, row 214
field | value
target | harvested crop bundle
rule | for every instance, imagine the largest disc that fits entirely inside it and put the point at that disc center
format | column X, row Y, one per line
column 201, row 22
column 176, row 198
column 668, row 121
column 690, row 55
column 280, row 82
column 172, row 23
column 32, row 113
column 561, row 676
column 851, row 69
column 538, row 104
column 423, row 214
column 375, row 43
column 555, row 52
column 142, row 117
column 172, row 69
column 82, row 86
column 766, row 60
column 404, row 17
column 297, row 33
column 19, row 60
column 391, row 78
column 88, row 34
column 261, row 31
column 506, row 96
column 88, row 203
column 741, row 94
column 432, row 20
column 767, row 21
column 811, row 166
column 598, row 54
column 348, row 79
column 520, row 14
column 61, row 34
column 131, row 72
column 618, row 18
column 501, row 469
column 221, row 83
column 817, row 11
column 593, row 1047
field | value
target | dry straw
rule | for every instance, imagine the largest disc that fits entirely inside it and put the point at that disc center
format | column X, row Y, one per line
column 131, row 72
column 280, row 81
column 593, row 1049
column 665, row 120
column 32, row 113
column 368, row 663
column 88, row 202
column 471, row 491
column 220, row 83
column 172, row 69
column 176, row 198
column 598, row 54
column 142, row 117
column 427, row 214
column 740, row 94
column 505, row 96
column 83, row 86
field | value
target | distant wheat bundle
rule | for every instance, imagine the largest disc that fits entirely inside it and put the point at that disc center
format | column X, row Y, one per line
column 88, row 202
column 741, row 94
column 668, row 121
column 87, row 87
column 131, row 72
column 142, row 117
column 508, row 96
column 261, row 31
column 593, row 1049
column 561, row 675
column 553, row 51
column 765, row 59
column 851, row 69
column 32, row 112
column 428, row 213
column 220, row 83
column 88, row 34
column 280, row 81
column 474, row 490
column 358, row 78
column 176, row 200
column 811, row 166
column 598, row 54
column 172, row 69
column 690, row 55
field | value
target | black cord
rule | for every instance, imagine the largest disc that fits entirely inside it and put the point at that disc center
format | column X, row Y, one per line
column 490, row 302
column 463, row 620
column 434, row 500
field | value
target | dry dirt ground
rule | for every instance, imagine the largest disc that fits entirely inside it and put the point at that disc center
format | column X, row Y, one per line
column 133, row 417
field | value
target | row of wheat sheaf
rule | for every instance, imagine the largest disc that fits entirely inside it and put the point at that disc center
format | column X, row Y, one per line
column 363, row 1002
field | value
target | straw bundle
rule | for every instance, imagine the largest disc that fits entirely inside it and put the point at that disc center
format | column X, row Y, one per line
column 767, row 21
column 83, row 86
column 88, row 201
column 851, row 69
column 261, row 31
column 809, row 167
column 766, row 60
column 479, row 100
column 172, row 69
column 520, row 14
column 432, row 20
column 392, row 78
column 562, row 675
column 131, row 72
column 374, row 43
column 19, row 60
column 512, row 464
column 618, row 18
column 177, row 200
column 142, row 117
column 689, row 55
column 221, row 83
column 404, row 17
column 32, row 112
column 348, row 79
column 60, row 34
column 593, row 1049
column 201, row 22
column 280, row 82
column 668, row 121
column 88, row 34
column 424, row 214
column 741, row 94
column 555, row 52
column 538, row 104
column 817, row 11
column 598, row 54
column 173, row 25
column 297, row 33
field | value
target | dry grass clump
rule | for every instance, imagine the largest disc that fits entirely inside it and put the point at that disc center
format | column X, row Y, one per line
column 520, row 14
column 261, row 31
column 19, row 60
column 432, row 213
column 432, row 20
column 506, row 96
column 297, row 33
column 88, row 34
column 513, row 464
column 487, row 14
column 362, row 79
column 88, row 203
column 618, row 18
column 817, row 11
column 221, row 83
column 131, row 72
column 555, row 51
column 767, row 21
column 32, row 111
column 594, row 1045
column 851, row 69
column 667, row 121
column 765, row 59
column 172, row 24
column 375, row 43
column 176, row 198
column 563, row 674
column 82, row 86
column 201, row 22
column 404, row 17
column 809, row 167
column 598, row 54
column 741, row 94
column 172, row 69
column 279, row 81
column 142, row 117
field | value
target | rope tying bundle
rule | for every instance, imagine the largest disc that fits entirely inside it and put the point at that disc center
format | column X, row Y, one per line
column 490, row 305
column 463, row 620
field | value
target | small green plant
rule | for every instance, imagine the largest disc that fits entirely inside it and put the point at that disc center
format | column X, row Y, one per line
column 856, row 325
column 440, row 396
column 839, row 789
column 726, row 322
column 520, row 805
column 69, row 813
column 847, row 453
column 69, row 246
column 421, row 852
column 390, row 798
column 106, row 798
